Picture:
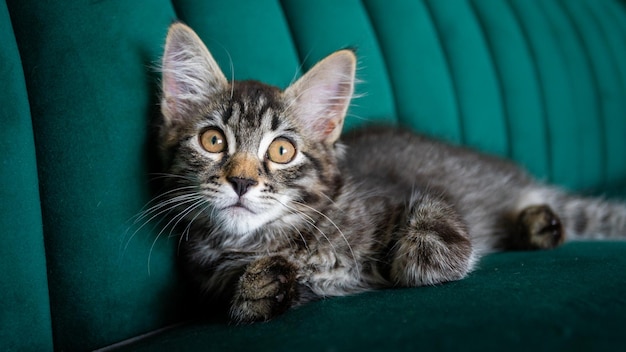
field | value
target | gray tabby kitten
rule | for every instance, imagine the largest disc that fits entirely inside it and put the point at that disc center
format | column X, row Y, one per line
column 274, row 211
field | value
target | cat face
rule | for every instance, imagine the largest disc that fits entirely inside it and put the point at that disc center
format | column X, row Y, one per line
column 248, row 161
column 245, row 156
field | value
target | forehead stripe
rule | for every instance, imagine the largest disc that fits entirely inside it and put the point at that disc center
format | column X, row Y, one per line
column 263, row 111
column 227, row 114
column 275, row 122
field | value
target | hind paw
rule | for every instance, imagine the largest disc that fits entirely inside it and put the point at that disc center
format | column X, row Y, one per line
column 538, row 227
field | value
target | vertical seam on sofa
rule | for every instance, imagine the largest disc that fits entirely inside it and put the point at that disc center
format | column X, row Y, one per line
column 288, row 21
column 383, row 57
column 610, row 50
column 300, row 57
column 554, row 32
column 53, row 334
column 448, row 64
column 620, row 23
column 596, row 84
column 613, row 10
column 541, row 86
column 499, row 76
column 174, row 8
column 376, row 45
column 614, row 14
column 620, row 27
column 53, row 330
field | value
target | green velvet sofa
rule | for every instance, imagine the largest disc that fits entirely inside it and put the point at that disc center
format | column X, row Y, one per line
column 542, row 82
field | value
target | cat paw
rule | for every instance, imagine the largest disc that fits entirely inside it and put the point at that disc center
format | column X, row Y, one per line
column 266, row 289
column 538, row 227
column 429, row 257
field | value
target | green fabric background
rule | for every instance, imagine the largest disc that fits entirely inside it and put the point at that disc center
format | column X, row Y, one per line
column 321, row 27
column 542, row 82
column 88, row 68
column 259, row 48
column 24, row 304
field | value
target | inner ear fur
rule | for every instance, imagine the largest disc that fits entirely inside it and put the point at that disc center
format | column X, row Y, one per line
column 320, row 99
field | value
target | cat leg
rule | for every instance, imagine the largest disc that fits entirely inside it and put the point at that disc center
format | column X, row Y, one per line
column 266, row 289
column 431, row 246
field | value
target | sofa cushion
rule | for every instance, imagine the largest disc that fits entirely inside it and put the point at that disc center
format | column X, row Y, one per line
column 570, row 298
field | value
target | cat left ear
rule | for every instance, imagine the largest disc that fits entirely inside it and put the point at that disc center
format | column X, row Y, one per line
column 320, row 99
column 190, row 74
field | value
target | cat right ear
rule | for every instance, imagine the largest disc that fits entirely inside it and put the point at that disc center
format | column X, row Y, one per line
column 320, row 98
column 190, row 74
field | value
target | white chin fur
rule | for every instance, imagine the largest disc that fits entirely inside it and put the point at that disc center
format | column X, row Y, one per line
column 244, row 221
column 241, row 221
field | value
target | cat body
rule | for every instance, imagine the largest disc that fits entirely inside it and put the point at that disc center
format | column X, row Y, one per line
column 275, row 210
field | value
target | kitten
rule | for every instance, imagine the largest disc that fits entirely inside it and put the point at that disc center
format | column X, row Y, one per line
column 274, row 211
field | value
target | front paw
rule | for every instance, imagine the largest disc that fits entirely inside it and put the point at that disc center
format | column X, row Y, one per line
column 266, row 289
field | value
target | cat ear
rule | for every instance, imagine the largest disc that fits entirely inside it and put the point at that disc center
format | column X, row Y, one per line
column 190, row 74
column 320, row 99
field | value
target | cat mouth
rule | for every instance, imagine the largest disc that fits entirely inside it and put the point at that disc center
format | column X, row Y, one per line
column 237, row 207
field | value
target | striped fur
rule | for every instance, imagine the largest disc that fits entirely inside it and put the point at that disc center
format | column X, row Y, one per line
column 381, row 208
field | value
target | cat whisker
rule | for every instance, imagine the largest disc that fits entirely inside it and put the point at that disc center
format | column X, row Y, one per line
column 157, row 210
column 232, row 75
column 180, row 216
column 185, row 233
column 311, row 222
column 299, row 96
column 356, row 263
column 285, row 235
column 150, row 203
column 361, row 118
column 164, row 175
column 188, row 227
column 306, row 245
column 300, row 67
column 161, row 208
column 146, row 212
column 329, row 199
column 332, row 245
column 292, row 241
column 308, row 219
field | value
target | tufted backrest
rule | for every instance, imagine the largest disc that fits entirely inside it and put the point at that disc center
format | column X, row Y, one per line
column 542, row 82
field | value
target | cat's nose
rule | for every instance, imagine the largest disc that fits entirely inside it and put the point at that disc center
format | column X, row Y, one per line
column 241, row 185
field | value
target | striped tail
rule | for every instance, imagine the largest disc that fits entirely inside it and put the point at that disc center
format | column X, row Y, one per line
column 592, row 218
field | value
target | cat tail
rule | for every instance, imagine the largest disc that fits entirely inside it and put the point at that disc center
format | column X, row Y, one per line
column 591, row 218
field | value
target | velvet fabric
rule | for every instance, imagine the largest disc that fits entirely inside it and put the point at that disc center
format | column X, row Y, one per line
column 24, row 305
column 560, row 300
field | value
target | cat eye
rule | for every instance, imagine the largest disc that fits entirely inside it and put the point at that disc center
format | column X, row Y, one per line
column 213, row 140
column 281, row 151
